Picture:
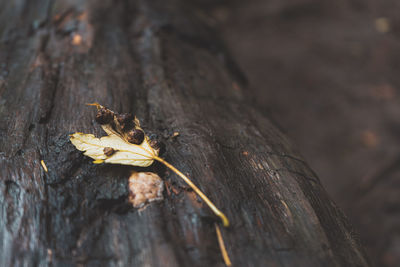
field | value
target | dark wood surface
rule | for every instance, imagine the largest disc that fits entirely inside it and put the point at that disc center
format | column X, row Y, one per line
column 158, row 60
column 328, row 72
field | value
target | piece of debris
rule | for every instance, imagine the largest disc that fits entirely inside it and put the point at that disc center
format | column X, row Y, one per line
column 76, row 39
column 382, row 25
column 369, row 139
column 383, row 92
column 145, row 187
column 175, row 190
column 235, row 86
column 49, row 255
column 44, row 165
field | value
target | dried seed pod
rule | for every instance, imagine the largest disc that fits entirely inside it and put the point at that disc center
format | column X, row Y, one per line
column 145, row 187
column 126, row 121
column 135, row 136
column 108, row 151
column 124, row 117
column 104, row 116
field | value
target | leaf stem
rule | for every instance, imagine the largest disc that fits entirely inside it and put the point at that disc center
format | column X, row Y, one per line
column 221, row 243
column 217, row 212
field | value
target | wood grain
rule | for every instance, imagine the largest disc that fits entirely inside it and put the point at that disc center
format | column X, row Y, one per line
column 163, row 62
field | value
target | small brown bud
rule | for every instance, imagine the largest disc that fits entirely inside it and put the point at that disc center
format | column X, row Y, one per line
column 135, row 136
column 104, row 116
column 125, row 120
column 124, row 117
column 108, row 151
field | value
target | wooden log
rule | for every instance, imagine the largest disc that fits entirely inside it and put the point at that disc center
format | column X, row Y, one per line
column 160, row 61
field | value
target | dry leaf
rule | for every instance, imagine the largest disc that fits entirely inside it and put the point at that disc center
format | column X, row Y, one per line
column 125, row 153
column 127, row 144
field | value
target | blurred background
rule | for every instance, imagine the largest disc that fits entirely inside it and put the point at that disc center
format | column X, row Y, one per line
column 328, row 72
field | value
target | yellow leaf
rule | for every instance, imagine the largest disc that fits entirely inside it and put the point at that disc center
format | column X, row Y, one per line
column 125, row 153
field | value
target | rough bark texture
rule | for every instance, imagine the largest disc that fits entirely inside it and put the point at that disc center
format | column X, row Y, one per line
column 158, row 60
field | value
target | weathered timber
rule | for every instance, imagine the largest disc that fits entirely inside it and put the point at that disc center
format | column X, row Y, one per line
column 161, row 61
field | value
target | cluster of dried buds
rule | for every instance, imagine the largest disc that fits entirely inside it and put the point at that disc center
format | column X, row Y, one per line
column 127, row 125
